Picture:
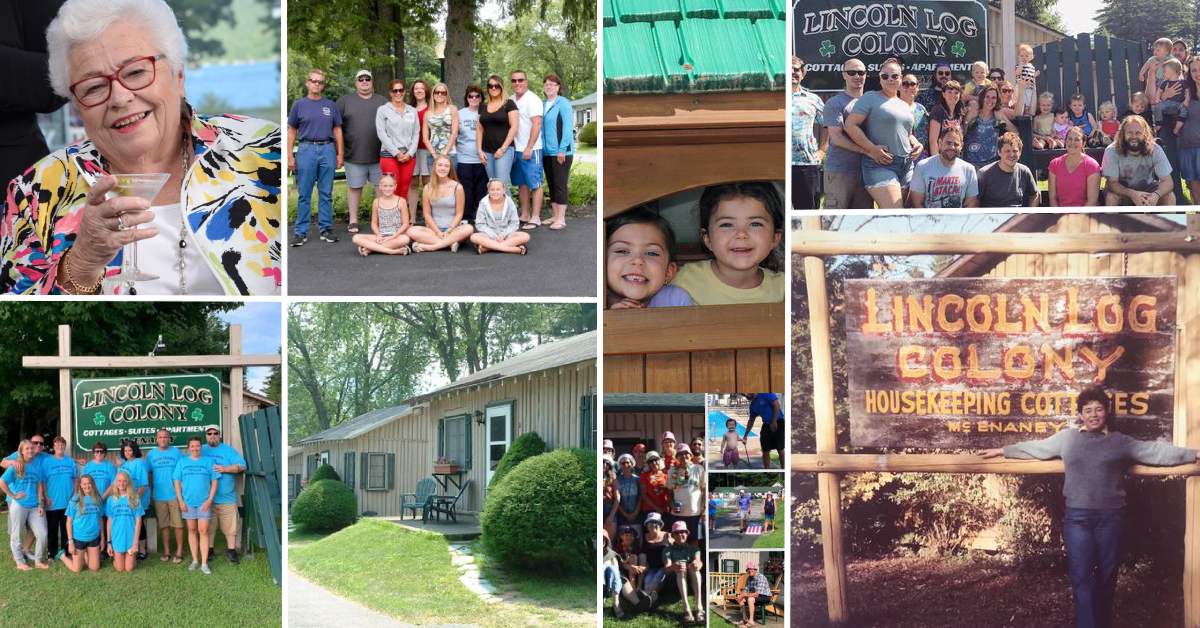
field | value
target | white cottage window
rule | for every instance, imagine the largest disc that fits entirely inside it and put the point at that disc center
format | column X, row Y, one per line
column 376, row 472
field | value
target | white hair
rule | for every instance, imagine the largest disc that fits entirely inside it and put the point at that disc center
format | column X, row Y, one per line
column 81, row 21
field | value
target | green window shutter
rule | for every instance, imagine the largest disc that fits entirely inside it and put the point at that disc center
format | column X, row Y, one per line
column 587, row 422
column 348, row 468
column 441, row 451
column 467, row 435
column 312, row 465
column 364, row 469
column 391, row 471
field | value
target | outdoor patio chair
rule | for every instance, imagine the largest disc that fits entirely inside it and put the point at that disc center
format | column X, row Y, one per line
column 426, row 488
column 439, row 505
column 729, row 595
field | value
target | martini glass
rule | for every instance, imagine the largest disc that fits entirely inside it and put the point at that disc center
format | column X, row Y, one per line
column 139, row 185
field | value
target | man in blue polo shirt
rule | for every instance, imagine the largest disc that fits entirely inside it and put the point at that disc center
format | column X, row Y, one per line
column 316, row 122
column 229, row 463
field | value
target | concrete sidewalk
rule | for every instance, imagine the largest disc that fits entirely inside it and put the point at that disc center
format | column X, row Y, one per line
column 310, row 606
column 559, row 264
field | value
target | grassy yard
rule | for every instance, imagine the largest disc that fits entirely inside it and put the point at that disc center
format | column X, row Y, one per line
column 153, row 593
column 408, row 575
column 569, row 592
column 667, row 614
column 773, row 539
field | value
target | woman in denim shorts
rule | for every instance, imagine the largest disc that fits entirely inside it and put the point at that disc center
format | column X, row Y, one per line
column 882, row 125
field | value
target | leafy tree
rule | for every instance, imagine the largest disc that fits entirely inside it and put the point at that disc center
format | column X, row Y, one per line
column 1144, row 22
column 1040, row 11
column 345, row 359
column 540, row 46
column 272, row 389
column 196, row 18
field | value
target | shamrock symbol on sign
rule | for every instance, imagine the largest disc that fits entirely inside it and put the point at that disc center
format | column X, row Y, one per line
column 197, row 415
column 98, row 418
column 827, row 48
column 959, row 49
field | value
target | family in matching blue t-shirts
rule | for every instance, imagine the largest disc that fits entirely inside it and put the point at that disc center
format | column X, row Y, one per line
column 78, row 515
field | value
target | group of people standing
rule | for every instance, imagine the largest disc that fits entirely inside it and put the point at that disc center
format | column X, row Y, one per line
column 956, row 145
column 654, row 512
column 80, row 513
column 463, row 160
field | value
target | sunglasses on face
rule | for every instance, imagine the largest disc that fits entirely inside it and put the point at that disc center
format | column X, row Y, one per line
column 398, row 90
column 518, row 80
column 473, row 95
column 364, row 79
column 316, row 81
column 910, row 83
column 1007, row 90
column 493, row 86
column 889, row 77
column 943, row 74
column 439, row 93
column 855, row 72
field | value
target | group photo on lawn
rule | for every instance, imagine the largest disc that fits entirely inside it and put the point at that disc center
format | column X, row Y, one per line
column 1092, row 105
column 148, row 469
column 463, row 129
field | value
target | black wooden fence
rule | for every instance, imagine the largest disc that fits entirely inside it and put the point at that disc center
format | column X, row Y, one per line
column 1100, row 68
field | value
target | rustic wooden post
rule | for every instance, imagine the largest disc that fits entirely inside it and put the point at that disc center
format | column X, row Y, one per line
column 64, row 390
column 235, row 383
column 1189, row 291
column 829, row 491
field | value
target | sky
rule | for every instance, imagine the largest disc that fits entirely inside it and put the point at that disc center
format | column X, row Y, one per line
column 1078, row 15
column 261, row 334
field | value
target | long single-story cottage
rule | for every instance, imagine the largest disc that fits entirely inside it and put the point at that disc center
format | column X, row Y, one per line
column 550, row 389
column 630, row 419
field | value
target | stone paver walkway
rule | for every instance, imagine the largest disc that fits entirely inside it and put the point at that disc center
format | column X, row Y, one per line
column 462, row 558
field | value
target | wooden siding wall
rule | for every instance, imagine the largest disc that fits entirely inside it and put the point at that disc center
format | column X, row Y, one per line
column 1027, row 33
column 295, row 465
column 1104, row 265
column 650, row 426
column 709, row 349
column 546, row 402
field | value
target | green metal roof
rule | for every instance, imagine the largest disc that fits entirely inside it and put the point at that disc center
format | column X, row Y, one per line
column 656, row 46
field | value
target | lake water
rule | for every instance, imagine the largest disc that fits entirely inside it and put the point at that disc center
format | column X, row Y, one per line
column 242, row 86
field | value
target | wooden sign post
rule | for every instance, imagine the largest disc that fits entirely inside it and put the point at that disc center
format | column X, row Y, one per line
column 814, row 244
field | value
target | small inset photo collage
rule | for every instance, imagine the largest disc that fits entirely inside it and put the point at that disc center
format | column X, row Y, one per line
column 687, row 479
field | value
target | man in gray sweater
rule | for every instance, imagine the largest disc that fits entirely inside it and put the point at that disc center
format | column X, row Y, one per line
column 1095, row 457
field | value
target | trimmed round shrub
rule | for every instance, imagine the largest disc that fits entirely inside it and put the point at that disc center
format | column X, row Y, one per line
column 543, row 515
column 526, row 446
column 587, row 134
column 325, row 506
column 324, row 472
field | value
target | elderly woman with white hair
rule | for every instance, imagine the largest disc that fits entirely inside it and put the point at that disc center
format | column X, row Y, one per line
column 213, row 228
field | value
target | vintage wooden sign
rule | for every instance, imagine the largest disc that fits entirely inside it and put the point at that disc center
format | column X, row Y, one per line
column 972, row 362
column 922, row 32
column 116, row 408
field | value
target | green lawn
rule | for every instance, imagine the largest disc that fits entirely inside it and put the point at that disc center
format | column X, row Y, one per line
column 569, row 592
column 408, row 575
column 154, row 593
column 666, row 615
column 771, row 540
column 719, row 622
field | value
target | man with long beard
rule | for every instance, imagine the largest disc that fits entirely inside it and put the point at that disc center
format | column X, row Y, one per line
column 1135, row 168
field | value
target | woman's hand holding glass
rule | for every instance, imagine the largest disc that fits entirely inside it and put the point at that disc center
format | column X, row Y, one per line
column 106, row 226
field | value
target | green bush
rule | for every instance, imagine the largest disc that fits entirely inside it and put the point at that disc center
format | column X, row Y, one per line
column 325, row 506
column 324, row 472
column 543, row 516
column 581, row 189
column 526, row 446
column 587, row 135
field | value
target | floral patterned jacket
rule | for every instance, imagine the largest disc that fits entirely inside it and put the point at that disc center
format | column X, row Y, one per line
column 231, row 198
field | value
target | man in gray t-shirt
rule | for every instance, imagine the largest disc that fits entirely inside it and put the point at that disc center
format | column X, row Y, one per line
column 1006, row 182
column 361, row 139
column 843, row 185
column 1136, row 170
column 944, row 180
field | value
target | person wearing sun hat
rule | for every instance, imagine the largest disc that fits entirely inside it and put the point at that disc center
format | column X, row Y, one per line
column 655, row 541
column 656, row 495
column 607, row 449
column 629, row 507
column 757, row 592
column 686, row 480
column 683, row 561
column 668, row 448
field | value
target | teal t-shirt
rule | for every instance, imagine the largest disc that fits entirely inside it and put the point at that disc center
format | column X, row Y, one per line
column 227, row 485
column 102, row 472
column 60, row 474
column 162, row 469
column 37, row 460
column 27, row 485
column 138, row 471
column 195, row 476
column 123, row 516
column 85, row 522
